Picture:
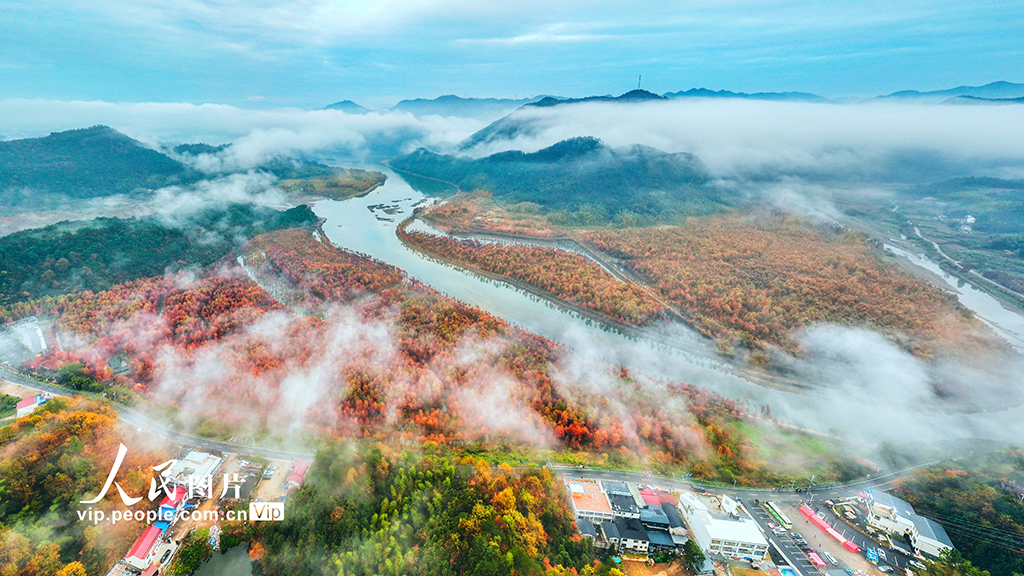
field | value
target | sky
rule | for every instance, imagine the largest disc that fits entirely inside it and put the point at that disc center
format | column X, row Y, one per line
column 309, row 53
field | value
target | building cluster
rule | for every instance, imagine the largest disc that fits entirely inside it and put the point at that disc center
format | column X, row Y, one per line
column 898, row 518
column 155, row 546
column 637, row 519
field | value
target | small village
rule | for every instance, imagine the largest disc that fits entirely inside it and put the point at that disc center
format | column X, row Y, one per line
column 868, row 532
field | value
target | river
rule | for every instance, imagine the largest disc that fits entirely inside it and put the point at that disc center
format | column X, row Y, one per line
column 367, row 224
column 1005, row 322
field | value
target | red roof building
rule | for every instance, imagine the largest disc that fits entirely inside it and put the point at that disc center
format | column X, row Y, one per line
column 650, row 498
column 298, row 472
column 142, row 547
column 175, row 498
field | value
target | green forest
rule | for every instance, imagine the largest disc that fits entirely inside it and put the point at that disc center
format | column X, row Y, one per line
column 366, row 509
column 84, row 163
column 49, row 461
column 95, row 255
column 584, row 173
column 979, row 506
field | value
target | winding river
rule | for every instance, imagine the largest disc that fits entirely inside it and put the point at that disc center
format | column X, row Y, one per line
column 368, row 224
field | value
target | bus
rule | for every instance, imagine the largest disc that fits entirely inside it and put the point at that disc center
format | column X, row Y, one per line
column 776, row 513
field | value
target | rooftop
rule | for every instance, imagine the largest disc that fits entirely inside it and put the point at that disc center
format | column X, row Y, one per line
column 672, row 513
column 650, row 497
column 145, row 543
column 197, row 464
column 586, row 527
column 615, row 487
column 175, row 497
column 719, row 524
column 654, row 515
column 623, row 504
column 931, row 529
column 609, row 529
column 631, row 529
column 585, row 485
column 661, row 538
column 26, row 402
column 591, row 502
column 902, row 507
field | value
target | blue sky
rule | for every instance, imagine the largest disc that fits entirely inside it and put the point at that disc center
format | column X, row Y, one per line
column 309, row 53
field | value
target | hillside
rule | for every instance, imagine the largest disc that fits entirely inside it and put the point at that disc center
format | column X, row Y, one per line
column 519, row 122
column 583, row 174
column 95, row 255
column 347, row 106
column 85, row 163
column 451, row 105
column 51, row 460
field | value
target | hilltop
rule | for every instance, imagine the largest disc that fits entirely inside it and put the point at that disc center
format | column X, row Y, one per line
column 451, row 105
column 773, row 96
column 84, row 163
column 347, row 106
column 582, row 173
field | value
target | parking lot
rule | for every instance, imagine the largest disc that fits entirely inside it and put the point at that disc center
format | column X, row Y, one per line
column 785, row 544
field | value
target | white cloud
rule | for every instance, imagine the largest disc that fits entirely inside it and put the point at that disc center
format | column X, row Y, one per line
column 258, row 134
column 743, row 136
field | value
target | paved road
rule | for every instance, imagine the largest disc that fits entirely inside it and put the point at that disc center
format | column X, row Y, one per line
column 141, row 422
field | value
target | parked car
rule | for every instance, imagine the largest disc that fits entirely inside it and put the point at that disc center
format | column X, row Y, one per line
column 164, row 557
column 831, row 559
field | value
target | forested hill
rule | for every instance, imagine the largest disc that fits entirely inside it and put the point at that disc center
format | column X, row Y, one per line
column 520, row 122
column 95, row 255
column 583, row 172
column 84, row 163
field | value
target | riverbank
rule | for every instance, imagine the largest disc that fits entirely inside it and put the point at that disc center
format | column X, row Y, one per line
column 628, row 330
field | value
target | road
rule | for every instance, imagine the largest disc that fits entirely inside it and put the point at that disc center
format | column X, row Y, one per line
column 141, row 422
column 783, row 543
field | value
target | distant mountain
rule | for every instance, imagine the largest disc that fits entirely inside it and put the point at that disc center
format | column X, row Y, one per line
column 348, row 107
column 774, row 96
column 974, row 100
column 452, row 105
column 85, row 163
column 992, row 90
column 581, row 172
column 518, row 123
column 631, row 96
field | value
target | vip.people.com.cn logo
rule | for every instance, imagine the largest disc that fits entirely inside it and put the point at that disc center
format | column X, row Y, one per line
column 197, row 487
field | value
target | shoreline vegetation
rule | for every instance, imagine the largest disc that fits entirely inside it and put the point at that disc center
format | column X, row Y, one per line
column 342, row 185
column 632, row 331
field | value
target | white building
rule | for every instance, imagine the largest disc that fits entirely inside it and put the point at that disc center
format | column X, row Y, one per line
column 196, row 468
column 722, row 526
column 897, row 517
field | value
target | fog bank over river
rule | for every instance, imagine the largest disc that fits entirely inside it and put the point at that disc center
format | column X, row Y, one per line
column 866, row 389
